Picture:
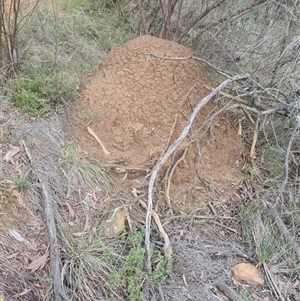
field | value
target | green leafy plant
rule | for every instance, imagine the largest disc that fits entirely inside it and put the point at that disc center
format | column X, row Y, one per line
column 162, row 270
column 21, row 183
column 131, row 272
column 37, row 90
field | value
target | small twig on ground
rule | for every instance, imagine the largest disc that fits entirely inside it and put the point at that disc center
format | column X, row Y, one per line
column 229, row 292
column 272, row 282
column 283, row 229
column 254, row 140
column 161, row 161
column 92, row 133
column 184, row 58
column 286, row 160
column 170, row 177
column 167, row 246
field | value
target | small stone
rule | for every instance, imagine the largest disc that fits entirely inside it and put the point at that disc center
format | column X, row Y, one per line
column 115, row 225
column 247, row 273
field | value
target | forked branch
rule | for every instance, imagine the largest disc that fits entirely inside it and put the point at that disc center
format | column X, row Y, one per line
column 162, row 160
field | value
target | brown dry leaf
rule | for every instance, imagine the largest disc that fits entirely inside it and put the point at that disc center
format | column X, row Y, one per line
column 94, row 195
column 19, row 197
column 135, row 192
column 71, row 211
column 289, row 262
column 121, row 170
column 38, row 263
column 11, row 153
column 79, row 234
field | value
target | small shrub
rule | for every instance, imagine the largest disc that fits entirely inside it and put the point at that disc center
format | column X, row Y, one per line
column 21, row 183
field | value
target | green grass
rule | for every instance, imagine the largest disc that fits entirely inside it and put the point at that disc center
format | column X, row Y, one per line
column 82, row 172
column 21, row 183
column 87, row 265
column 61, row 47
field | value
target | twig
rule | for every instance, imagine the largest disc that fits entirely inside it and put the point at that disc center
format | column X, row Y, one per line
column 184, row 58
column 229, row 292
column 286, row 160
column 91, row 132
column 272, row 282
column 161, row 161
column 283, row 229
column 167, row 246
column 198, row 19
column 58, row 289
column 255, row 135
column 170, row 177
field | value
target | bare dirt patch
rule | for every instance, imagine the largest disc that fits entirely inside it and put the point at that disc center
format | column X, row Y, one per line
column 138, row 105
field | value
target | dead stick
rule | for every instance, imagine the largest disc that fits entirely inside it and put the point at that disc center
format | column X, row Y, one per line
column 229, row 292
column 162, row 160
column 167, row 246
column 255, row 135
column 283, row 229
column 170, row 177
column 106, row 152
column 272, row 282
column 59, row 292
column 286, row 160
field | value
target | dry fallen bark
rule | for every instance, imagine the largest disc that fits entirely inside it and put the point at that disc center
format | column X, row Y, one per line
column 162, row 160
column 58, row 289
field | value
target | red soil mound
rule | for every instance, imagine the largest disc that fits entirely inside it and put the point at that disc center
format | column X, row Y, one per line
column 138, row 105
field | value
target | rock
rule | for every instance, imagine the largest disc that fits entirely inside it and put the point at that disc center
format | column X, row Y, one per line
column 247, row 273
column 115, row 225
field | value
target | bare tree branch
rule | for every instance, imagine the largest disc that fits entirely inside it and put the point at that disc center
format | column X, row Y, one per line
column 198, row 19
column 286, row 161
column 161, row 161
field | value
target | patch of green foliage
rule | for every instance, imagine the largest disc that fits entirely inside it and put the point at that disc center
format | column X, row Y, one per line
column 38, row 89
column 62, row 44
column 83, row 172
column 21, row 183
column 162, row 270
column 131, row 272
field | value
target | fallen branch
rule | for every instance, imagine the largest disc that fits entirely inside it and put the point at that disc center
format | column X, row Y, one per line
column 161, row 161
column 272, row 282
column 184, row 58
column 229, row 292
column 167, row 245
column 58, row 289
column 59, row 292
column 286, row 160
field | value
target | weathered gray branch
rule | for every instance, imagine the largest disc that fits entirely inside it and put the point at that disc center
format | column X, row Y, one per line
column 161, row 161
